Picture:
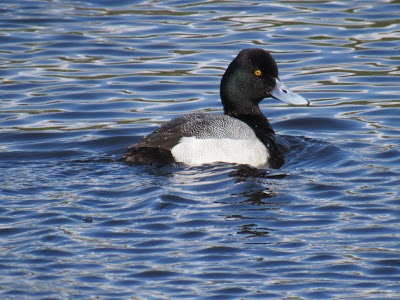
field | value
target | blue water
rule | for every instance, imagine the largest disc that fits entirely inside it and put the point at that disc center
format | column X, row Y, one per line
column 81, row 80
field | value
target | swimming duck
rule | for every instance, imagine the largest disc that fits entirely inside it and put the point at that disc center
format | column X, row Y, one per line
column 241, row 135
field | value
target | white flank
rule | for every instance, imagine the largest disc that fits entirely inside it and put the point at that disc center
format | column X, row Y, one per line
column 193, row 151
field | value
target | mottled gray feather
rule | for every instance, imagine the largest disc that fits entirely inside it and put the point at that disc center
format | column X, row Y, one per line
column 199, row 125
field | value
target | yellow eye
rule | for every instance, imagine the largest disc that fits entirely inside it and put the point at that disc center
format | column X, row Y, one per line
column 257, row 72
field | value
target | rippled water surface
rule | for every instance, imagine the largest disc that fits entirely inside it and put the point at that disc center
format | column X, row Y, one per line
column 81, row 80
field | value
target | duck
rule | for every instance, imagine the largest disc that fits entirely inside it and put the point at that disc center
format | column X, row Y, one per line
column 241, row 135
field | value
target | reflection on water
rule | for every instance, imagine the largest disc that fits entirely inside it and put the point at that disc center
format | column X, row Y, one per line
column 81, row 81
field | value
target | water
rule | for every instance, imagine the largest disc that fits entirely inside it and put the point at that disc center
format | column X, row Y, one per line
column 81, row 80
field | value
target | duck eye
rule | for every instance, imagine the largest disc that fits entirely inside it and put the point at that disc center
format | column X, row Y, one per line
column 257, row 72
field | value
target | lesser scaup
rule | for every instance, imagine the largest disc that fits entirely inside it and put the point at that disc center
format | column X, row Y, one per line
column 242, row 135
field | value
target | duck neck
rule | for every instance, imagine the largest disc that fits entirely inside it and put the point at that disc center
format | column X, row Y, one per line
column 264, row 132
column 248, row 111
column 253, row 117
column 260, row 125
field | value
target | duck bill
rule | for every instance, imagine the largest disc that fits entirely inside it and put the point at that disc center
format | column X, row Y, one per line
column 281, row 92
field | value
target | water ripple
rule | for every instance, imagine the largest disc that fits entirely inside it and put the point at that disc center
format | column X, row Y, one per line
column 81, row 81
